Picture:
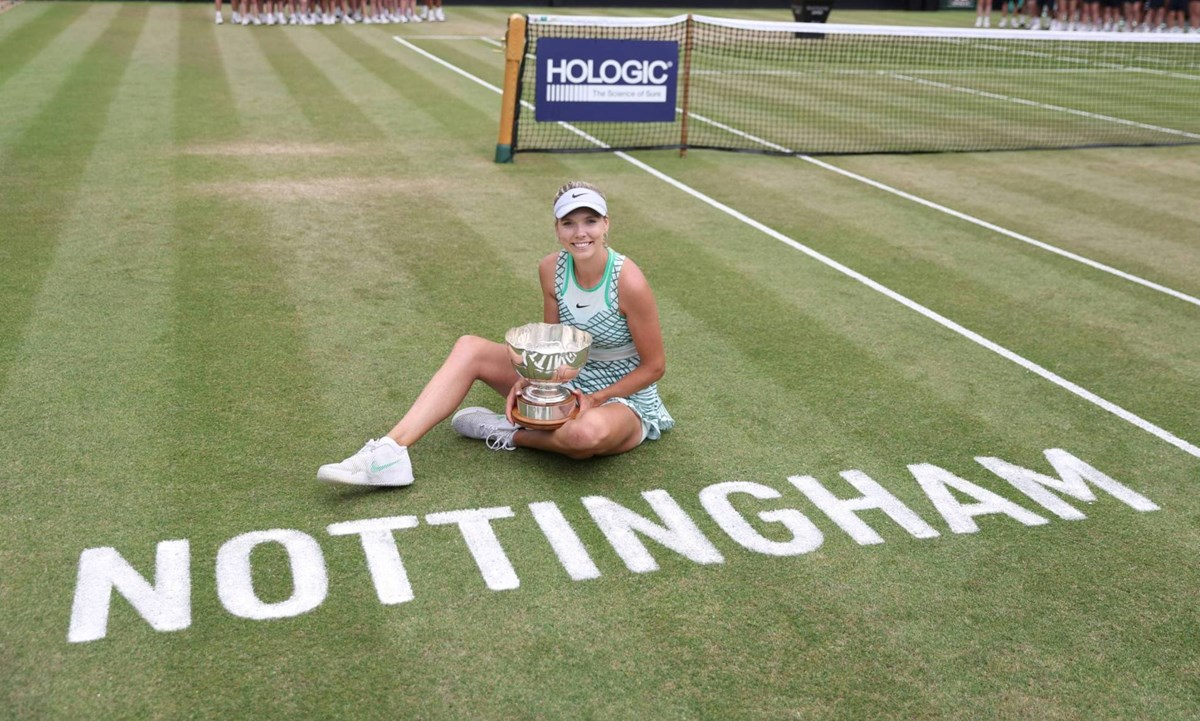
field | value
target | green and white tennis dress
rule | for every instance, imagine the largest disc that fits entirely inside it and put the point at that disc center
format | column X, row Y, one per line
column 613, row 354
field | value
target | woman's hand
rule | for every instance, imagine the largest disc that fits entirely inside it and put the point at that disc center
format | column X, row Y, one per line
column 510, row 403
column 585, row 401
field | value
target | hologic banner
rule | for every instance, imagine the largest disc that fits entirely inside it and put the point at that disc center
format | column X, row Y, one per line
column 606, row 80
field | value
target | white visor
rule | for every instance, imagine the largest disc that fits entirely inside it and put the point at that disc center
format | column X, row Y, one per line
column 580, row 198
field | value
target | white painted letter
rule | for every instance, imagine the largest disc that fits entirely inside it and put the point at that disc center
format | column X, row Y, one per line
column 481, row 540
column 383, row 560
column 235, row 583
column 565, row 542
column 621, row 525
column 166, row 606
column 805, row 536
column 1073, row 474
column 844, row 511
column 935, row 479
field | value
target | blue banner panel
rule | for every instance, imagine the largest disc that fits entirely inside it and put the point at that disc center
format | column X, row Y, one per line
column 612, row 81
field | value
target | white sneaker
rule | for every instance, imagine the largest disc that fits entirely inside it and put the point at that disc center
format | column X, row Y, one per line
column 245, row 20
column 219, row 20
column 378, row 463
column 441, row 16
column 485, row 425
column 347, row 20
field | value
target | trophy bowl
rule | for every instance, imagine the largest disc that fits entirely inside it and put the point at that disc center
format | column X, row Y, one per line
column 547, row 355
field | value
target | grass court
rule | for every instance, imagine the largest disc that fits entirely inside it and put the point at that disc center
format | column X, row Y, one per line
column 231, row 254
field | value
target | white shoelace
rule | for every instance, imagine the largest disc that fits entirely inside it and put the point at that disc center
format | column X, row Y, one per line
column 501, row 440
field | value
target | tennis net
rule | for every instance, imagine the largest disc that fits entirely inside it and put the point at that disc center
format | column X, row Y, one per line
column 785, row 88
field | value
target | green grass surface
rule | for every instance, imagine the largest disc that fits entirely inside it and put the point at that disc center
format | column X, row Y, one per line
column 228, row 255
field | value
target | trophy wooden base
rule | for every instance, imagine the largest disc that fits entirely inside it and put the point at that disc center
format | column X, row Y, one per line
column 558, row 415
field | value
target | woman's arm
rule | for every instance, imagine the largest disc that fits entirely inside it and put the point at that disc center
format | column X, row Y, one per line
column 549, row 298
column 641, row 312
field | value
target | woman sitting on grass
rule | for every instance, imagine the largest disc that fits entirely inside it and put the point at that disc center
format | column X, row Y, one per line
column 587, row 285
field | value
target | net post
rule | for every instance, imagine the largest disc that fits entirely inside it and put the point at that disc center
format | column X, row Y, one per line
column 514, row 53
column 687, row 86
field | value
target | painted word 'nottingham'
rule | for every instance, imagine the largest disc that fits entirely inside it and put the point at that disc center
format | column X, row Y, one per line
column 166, row 604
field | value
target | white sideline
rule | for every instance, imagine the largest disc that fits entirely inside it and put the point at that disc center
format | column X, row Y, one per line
column 1041, row 106
column 1004, row 231
column 945, row 322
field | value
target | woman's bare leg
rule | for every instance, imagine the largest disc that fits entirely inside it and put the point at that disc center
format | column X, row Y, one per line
column 604, row 431
column 472, row 359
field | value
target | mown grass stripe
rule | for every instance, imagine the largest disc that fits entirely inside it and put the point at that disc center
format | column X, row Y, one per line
column 83, row 411
column 238, row 351
column 20, row 47
column 414, row 85
column 320, row 99
column 27, row 93
column 46, row 166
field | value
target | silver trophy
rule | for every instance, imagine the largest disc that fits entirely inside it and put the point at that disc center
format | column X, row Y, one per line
column 548, row 355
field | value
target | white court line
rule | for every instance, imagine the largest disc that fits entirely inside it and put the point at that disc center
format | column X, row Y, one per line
column 1040, row 106
column 945, row 322
column 1099, row 63
column 986, row 72
column 446, row 37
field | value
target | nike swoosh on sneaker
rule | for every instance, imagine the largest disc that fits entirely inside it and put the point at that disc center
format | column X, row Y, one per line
column 384, row 467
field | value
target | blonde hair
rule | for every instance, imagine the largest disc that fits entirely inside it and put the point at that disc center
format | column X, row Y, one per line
column 576, row 185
